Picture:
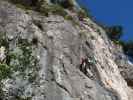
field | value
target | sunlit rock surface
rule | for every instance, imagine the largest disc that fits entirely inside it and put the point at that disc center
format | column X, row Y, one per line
column 45, row 55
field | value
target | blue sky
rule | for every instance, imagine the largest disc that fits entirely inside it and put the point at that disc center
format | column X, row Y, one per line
column 113, row 12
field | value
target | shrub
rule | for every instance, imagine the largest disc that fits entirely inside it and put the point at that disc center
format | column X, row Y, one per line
column 23, row 2
column 67, row 3
column 21, row 98
column 3, row 40
column 42, row 6
column 128, row 48
column 34, row 2
column 114, row 32
column 26, row 2
column 4, row 71
column 22, row 58
column 83, row 13
column 68, row 17
column 64, row 3
column 56, row 9
column 45, row 9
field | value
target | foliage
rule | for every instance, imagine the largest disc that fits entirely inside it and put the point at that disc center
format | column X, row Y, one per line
column 128, row 48
column 119, row 42
column 26, row 2
column 114, row 32
column 4, row 71
column 41, row 6
column 56, row 9
column 68, row 17
column 84, row 12
column 64, row 3
column 22, row 58
column 3, row 40
column 17, row 1
column 67, row 3
column 19, row 59
column 20, row 98
column 4, row 67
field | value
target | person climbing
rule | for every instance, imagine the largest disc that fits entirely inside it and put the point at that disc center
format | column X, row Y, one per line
column 83, row 65
column 91, row 61
column 86, row 66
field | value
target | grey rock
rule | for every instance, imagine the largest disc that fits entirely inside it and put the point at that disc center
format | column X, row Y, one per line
column 59, row 49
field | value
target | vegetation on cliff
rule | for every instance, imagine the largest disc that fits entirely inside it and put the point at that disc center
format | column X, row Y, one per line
column 19, row 59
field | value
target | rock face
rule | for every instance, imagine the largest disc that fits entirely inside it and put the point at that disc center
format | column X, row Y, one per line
column 51, row 58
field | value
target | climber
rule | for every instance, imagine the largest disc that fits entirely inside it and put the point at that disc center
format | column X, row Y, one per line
column 83, row 65
column 86, row 66
column 91, row 61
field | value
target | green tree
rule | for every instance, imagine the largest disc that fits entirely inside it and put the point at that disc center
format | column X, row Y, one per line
column 128, row 48
column 64, row 3
column 115, row 32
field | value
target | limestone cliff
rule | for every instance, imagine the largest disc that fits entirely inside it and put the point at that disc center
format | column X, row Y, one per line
column 59, row 57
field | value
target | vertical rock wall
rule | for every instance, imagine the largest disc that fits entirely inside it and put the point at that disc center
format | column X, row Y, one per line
column 47, row 58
